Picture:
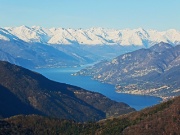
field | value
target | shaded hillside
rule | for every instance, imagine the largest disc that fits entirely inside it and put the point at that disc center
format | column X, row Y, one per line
column 154, row 71
column 111, row 108
column 11, row 105
column 32, row 90
column 160, row 119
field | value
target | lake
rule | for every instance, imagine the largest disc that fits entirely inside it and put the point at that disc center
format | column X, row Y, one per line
column 63, row 75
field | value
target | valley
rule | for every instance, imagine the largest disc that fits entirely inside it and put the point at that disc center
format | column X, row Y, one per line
column 64, row 75
column 32, row 93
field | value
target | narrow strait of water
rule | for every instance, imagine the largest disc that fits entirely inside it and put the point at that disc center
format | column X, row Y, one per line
column 63, row 75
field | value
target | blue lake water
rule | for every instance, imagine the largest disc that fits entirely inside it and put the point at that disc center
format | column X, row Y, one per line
column 63, row 75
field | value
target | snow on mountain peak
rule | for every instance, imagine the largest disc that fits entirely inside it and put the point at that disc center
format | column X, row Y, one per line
column 93, row 36
column 6, row 35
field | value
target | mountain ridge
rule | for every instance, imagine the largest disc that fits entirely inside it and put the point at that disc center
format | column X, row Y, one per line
column 38, row 47
column 93, row 36
column 153, row 71
column 161, row 119
column 32, row 93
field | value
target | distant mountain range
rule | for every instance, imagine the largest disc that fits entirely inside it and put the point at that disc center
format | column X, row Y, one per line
column 25, row 92
column 92, row 36
column 37, row 47
column 154, row 71
column 37, row 55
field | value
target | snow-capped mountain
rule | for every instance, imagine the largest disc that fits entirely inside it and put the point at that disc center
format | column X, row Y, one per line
column 92, row 36
column 58, row 47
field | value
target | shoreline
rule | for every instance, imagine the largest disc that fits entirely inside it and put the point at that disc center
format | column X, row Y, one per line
column 163, row 98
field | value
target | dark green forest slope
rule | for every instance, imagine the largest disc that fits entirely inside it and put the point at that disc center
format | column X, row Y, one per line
column 160, row 119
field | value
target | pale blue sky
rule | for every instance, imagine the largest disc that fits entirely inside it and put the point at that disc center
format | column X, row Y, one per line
column 120, row 14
